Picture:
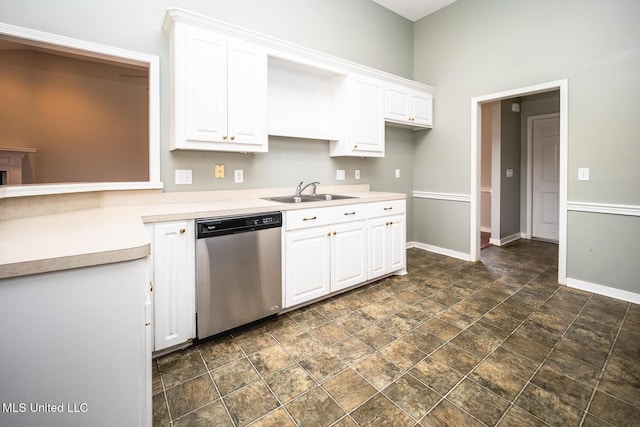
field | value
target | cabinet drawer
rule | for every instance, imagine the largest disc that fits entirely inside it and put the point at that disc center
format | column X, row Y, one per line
column 305, row 218
column 392, row 207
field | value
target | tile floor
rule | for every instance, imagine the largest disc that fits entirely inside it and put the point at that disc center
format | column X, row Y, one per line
column 450, row 344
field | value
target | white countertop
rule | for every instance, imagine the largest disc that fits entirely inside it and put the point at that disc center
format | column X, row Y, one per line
column 109, row 234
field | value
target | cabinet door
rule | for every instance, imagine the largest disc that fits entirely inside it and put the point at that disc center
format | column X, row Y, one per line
column 422, row 109
column 397, row 243
column 378, row 253
column 205, row 84
column 368, row 116
column 396, row 106
column 348, row 255
column 173, row 283
column 247, row 100
column 307, row 265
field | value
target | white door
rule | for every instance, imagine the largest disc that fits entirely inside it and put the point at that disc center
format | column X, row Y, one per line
column 546, row 179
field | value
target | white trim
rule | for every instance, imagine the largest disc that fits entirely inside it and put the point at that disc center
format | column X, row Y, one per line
column 439, row 250
column 442, row 196
column 529, row 203
column 604, row 208
column 474, row 228
column 603, row 290
column 496, row 167
column 503, row 241
column 114, row 54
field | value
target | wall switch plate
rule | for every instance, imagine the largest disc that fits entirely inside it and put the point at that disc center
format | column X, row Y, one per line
column 397, row 173
column 219, row 171
column 356, row 175
column 238, row 176
column 509, row 173
column 340, row 175
column 583, row 174
column 183, row 176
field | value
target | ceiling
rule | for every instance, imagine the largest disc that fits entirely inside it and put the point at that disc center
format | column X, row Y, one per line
column 414, row 10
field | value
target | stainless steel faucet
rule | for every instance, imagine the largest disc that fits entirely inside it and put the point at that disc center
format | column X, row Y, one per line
column 300, row 188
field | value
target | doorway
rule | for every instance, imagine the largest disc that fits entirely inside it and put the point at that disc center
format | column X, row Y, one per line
column 476, row 129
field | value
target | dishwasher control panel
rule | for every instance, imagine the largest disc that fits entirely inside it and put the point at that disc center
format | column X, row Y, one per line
column 208, row 227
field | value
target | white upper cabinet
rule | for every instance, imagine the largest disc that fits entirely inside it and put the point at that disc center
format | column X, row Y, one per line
column 364, row 133
column 408, row 107
column 218, row 91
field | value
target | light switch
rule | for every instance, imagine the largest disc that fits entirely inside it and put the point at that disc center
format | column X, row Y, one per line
column 583, row 174
column 509, row 173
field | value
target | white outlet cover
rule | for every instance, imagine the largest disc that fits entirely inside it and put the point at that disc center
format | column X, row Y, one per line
column 238, row 176
column 357, row 174
column 183, row 176
column 397, row 173
column 340, row 175
column 583, row 174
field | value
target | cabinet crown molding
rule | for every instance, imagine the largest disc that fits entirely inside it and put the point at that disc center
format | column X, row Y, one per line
column 283, row 49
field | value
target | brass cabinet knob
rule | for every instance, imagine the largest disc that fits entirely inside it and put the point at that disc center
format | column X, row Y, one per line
column 182, row 231
column 224, row 137
column 329, row 234
column 355, row 146
column 233, row 137
column 334, row 233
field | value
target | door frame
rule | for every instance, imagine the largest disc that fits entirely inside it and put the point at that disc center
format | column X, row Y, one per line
column 529, row 205
column 476, row 121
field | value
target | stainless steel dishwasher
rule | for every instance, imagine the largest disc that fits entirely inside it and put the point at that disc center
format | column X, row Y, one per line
column 238, row 271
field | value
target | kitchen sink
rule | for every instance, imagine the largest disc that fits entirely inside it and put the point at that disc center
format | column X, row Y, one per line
column 302, row 199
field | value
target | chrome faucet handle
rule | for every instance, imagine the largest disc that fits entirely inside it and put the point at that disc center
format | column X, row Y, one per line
column 299, row 189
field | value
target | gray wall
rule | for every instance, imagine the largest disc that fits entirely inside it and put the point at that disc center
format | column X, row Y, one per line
column 473, row 48
column 509, row 159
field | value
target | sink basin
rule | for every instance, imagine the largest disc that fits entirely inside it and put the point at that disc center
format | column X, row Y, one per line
column 302, row 199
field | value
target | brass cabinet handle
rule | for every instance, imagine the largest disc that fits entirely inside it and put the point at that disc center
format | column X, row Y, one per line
column 388, row 209
column 310, row 219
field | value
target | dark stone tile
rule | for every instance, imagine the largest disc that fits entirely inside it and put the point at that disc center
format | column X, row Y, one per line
column 613, row 411
column 621, row 379
column 380, row 411
column 567, row 389
column 234, row 375
column 541, row 289
column 332, row 309
column 464, row 313
column 283, row 327
column 290, row 383
column 395, row 325
column 255, row 340
column 582, row 352
column 606, row 310
column 552, row 319
column 211, row 414
column 353, row 322
column 567, row 299
column 220, row 352
column 378, row 371
column 302, row 346
column 409, row 296
column 501, row 317
column 329, row 333
column 250, row 403
column 314, row 408
column 374, row 337
column 160, row 410
column 309, row 319
column 402, row 354
column 181, row 366
column 430, row 307
column 486, row 330
column 548, row 407
column 191, row 395
column 270, row 360
column 627, row 345
column 156, row 379
column 632, row 321
column 527, row 348
column 592, row 334
column 322, row 366
column 425, row 342
column 538, row 334
column 455, row 357
column 439, row 377
column 412, row 396
column 278, row 418
column 351, row 349
column 591, row 421
column 439, row 328
column 478, row 345
column 574, row 368
column 518, row 417
column 349, row 389
column 446, row 414
column 486, row 406
column 513, row 363
column 502, row 382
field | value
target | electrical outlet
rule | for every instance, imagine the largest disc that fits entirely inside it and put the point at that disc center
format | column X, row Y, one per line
column 357, row 174
column 219, row 171
column 340, row 175
column 183, row 176
column 238, row 176
column 583, row 174
column 397, row 173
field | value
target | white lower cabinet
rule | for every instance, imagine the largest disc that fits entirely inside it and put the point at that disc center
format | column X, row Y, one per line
column 387, row 238
column 323, row 253
column 173, row 282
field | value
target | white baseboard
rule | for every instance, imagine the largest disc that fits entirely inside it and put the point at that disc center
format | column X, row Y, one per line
column 438, row 250
column 604, row 290
column 506, row 240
